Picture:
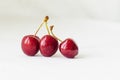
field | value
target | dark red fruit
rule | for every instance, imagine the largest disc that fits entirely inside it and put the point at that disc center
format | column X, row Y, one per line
column 48, row 45
column 30, row 45
column 68, row 48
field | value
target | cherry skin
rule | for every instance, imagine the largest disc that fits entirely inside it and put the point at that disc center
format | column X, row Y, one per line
column 68, row 48
column 48, row 45
column 30, row 45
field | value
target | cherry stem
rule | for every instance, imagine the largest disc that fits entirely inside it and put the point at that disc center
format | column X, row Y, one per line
column 39, row 28
column 44, row 21
column 51, row 28
column 47, row 28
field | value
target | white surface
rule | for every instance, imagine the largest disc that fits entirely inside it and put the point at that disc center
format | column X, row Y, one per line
column 96, row 9
column 98, row 59
column 93, row 24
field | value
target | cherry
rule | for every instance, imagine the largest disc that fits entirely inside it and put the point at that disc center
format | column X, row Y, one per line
column 48, row 45
column 68, row 48
column 30, row 45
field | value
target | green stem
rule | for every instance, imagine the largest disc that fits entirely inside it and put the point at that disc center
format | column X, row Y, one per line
column 47, row 28
column 51, row 28
column 44, row 21
column 39, row 28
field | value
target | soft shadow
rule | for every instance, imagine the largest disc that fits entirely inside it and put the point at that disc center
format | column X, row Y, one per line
column 38, row 55
column 57, row 56
column 82, row 56
column 79, row 56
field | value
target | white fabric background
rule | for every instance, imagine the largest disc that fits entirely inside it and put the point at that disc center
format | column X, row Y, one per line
column 95, row 9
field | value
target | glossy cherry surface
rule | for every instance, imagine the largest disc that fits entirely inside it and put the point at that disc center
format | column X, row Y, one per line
column 48, row 45
column 68, row 48
column 30, row 45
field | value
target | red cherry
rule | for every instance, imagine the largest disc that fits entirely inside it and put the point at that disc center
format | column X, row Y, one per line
column 30, row 45
column 68, row 48
column 48, row 45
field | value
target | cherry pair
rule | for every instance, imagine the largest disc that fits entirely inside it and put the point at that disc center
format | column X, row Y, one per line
column 48, row 44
